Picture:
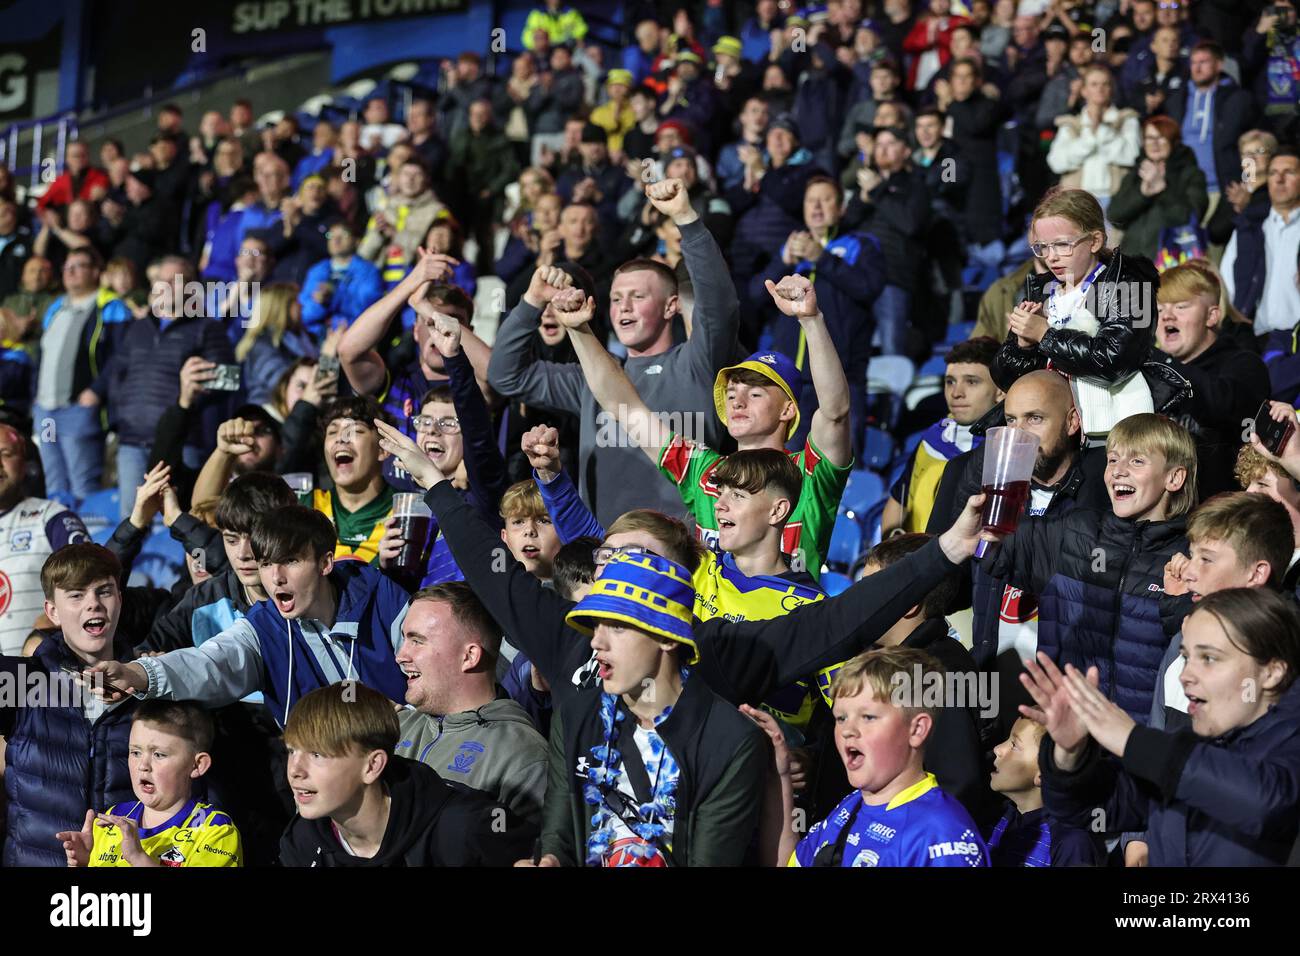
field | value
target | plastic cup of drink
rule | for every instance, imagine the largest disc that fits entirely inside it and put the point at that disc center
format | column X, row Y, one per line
column 415, row 519
column 301, row 482
column 1009, row 456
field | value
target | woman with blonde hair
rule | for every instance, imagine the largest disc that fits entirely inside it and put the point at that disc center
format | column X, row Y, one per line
column 1090, row 316
column 273, row 340
column 1094, row 148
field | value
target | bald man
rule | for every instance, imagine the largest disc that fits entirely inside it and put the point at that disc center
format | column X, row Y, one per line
column 1006, row 618
column 31, row 529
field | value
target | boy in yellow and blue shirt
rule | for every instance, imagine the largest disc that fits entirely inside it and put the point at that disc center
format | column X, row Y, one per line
column 165, row 825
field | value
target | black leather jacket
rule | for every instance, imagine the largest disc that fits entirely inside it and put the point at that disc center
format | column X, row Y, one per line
column 1123, row 299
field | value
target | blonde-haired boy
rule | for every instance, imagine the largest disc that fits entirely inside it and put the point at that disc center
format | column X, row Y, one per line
column 897, row 815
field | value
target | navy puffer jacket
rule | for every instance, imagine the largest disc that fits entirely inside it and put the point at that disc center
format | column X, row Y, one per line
column 1225, row 801
column 1099, row 579
column 57, row 764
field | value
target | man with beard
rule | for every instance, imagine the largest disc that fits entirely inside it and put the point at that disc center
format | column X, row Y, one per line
column 1006, row 618
column 31, row 529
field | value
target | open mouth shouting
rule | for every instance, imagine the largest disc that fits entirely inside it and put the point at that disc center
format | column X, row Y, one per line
column 604, row 669
column 1171, row 334
column 1122, row 492
column 1195, row 705
column 344, row 458
column 146, row 786
column 434, row 448
column 854, row 759
column 303, row 796
column 285, row 601
column 95, row 626
column 531, row 552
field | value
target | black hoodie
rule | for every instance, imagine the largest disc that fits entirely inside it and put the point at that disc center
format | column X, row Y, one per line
column 431, row 822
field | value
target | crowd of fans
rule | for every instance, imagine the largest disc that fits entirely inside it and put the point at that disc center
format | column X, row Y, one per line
column 540, row 410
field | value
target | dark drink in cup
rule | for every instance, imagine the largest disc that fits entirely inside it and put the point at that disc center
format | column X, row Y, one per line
column 415, row 536
column 1004, row 506
column 414, row 521
column 1009, row 455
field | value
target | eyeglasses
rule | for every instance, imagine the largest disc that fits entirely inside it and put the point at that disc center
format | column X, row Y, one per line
column 1258, row 151
column 443, row 426
column 254, row 253
column 1061, row 247
column 604, row 555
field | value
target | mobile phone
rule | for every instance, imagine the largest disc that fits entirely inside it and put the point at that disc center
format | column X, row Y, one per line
column 80, row 674
column 1273, row 435
column 327, row 366
column 225, row 379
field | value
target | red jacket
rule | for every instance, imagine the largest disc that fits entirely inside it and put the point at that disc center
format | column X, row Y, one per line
column 917, row 42
column 60, row 191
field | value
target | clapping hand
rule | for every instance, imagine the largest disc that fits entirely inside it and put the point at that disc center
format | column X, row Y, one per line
column 1028, row 323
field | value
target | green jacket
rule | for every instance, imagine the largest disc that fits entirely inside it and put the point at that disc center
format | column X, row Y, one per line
column 1143, row 217
column 722, row 756
column 483, row 162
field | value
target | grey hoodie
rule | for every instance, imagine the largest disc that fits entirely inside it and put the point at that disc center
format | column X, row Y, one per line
column 495, row 749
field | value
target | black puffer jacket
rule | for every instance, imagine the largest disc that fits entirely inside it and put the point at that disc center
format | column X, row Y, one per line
column 1123, row 300
column 1099, row 579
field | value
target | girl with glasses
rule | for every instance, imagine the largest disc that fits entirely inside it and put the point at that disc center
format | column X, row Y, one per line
column 1090, row 316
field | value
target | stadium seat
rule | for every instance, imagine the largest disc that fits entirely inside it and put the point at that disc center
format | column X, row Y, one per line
column 101, row 534
column 958, row 332
column 404, row 72
column 834, row 583
column 910, row 443
column 872, row 524
column 846, row 543
column 103, row 506
column 890, row 373
column 161, row 544
column 360, row 89
column 313, row 106
column 878, row 449
column 863, row 490
column 935, row 365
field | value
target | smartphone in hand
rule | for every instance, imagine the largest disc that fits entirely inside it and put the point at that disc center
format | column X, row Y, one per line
column 1273, row 435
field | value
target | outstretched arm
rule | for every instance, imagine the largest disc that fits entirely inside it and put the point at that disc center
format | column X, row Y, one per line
column 608, row 382
column 830, row 433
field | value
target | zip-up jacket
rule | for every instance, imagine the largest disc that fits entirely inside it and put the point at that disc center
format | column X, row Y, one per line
column 1224, row 801
column 1098, row 579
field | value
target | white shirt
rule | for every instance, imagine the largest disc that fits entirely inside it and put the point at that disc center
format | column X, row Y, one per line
column 1279, row 305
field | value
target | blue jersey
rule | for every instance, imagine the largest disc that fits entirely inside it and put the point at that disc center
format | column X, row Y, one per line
column 922, row 826
column 1034, row 839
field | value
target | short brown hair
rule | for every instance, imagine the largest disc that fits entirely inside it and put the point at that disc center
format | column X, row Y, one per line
column 879, row 669
column 468, row 610
column 523, row 500
column 683, row 547
column 665, row 274
column 980, row 350
column 892, row 550
column 1149, row 432
column 1255, row 526
column 77, row 566
column 343, row 719
column 181, row 718
column 1261, row 623
column 757, row 470
column 750, row 379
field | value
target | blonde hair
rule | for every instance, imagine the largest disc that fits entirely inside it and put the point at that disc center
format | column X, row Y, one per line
column 1077, row 206
column 523, row 500
column 271, row 312
column 1198, row 277
column 342, row 719
column 1155, row 434
column 887, row 670
column 682, row 545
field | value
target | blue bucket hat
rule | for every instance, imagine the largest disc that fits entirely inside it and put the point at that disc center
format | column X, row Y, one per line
column 646, row 591
column 778, row 367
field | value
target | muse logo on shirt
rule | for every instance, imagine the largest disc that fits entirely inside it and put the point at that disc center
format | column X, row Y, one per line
column 965, row 847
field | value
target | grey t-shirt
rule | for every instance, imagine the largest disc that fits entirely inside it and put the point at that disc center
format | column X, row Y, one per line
column 59, row 344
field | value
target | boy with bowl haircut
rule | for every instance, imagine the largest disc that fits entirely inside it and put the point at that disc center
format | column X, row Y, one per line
column 528, row 531
column 1026, row 835
column 165, row 825
column 360, row 805
column 1098, row 575
column 897, row 814
column 59, row 760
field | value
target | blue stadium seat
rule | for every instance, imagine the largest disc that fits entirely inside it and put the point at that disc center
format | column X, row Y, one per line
column 104, row 505
column 958, row 332
column 862, row 490
column 846, row 543
column 162, row 545
column 834, row 583
column 872, row 525
column 878, row 449
column 911, row 441
column 934, row 365
column 101, row 534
